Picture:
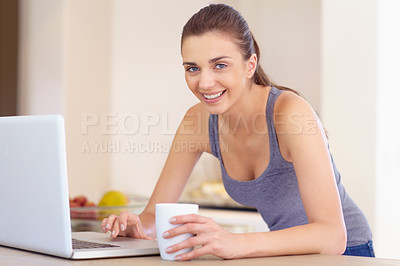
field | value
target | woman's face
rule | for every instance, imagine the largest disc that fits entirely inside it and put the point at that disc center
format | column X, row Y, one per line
column 215, row 70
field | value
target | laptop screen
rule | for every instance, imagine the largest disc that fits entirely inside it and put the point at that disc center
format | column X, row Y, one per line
column 34, row 210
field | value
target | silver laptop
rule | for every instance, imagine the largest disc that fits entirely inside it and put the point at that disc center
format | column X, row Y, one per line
column 34, row 199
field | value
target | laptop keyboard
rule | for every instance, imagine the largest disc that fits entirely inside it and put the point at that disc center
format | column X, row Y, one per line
column 80, row 244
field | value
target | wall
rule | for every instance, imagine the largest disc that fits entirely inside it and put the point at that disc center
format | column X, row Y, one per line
column 288, row 33
column 64, row 55
column 349, row 94
column 359, row 107
column 87, row 92
column 40, row 65
column 388, row 144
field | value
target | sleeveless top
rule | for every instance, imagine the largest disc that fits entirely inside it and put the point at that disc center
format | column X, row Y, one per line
column 275, row 193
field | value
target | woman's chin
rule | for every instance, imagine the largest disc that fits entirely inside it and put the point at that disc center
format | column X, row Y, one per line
column 215, row 110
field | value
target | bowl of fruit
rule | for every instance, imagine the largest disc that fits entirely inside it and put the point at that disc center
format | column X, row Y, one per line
column 86, row 215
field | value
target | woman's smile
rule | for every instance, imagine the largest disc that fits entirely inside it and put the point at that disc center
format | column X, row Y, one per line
column 213, row 97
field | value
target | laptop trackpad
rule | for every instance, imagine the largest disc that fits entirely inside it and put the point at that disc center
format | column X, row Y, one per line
column 121, row 246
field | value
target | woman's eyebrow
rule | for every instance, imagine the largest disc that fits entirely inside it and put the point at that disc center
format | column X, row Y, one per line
column 218, row 58
column 213, row 60
column 189, row 63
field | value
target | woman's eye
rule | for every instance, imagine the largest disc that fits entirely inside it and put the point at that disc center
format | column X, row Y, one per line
column 192, row 69
column 219, row 66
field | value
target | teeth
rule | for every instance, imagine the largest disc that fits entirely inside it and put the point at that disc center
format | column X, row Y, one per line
column 213, row 96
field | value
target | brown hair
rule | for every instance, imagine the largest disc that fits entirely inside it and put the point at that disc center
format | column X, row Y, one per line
column 225, row 19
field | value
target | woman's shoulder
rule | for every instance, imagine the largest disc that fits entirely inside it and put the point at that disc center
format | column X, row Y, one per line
column 291, row 109
column 291, row 102
column 294, row 120
column 194, row 126
column 197, row 108
column 197, row 114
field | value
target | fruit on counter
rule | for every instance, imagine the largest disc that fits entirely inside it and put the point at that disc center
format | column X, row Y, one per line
column 73, row 204
column 80, row 200
column 80, row 206
column 89, row 204
column 114, row 198
column 77, row 212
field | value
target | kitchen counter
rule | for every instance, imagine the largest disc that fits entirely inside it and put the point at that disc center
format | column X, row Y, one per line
column 10, row 256
column 236, row 221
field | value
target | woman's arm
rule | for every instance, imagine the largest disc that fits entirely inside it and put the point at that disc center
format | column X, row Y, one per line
column 182, row 158
column 302, row 142
column 177, row 169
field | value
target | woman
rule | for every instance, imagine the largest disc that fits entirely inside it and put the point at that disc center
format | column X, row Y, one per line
column 275, row 156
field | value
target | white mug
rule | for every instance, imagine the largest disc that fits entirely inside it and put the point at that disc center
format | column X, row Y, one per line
column 164, row 212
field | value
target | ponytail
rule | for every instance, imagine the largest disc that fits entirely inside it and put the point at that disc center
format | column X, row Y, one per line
column 260, row 78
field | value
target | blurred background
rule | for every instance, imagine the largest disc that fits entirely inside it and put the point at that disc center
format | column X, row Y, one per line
column 113, row 69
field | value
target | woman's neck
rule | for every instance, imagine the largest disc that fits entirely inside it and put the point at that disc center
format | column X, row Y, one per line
column 245, row 115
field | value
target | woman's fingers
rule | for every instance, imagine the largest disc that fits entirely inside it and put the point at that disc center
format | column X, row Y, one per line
column 118, row 225
column 188, row 243
column 192, row 223
column 125, row 219
column 141, row 233
column 130, row 219
column 210, row 236
column 138, row 232
column 108, row 223
column 193, row 228
column 115, row 229
column 195, row 253
column 189, row 218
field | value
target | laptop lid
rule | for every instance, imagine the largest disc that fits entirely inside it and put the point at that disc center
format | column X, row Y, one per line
column 33, row 207
column 34, row 198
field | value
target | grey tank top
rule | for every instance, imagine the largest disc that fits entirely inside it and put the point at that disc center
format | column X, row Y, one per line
column 275, row 193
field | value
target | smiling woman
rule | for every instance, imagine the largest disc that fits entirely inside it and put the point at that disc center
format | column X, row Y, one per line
column 280, row 164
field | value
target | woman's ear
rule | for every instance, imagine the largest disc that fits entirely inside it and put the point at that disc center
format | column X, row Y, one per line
column 251, row 66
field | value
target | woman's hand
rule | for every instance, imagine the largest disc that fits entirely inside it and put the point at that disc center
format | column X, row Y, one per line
column 126, row 224
column 212, row 238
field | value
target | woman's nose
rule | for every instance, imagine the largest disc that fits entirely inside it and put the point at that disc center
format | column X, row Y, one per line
column 206, row 81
